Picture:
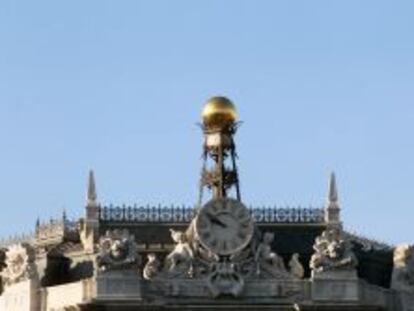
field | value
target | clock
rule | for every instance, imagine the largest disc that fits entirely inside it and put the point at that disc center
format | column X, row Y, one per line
column 224, row 226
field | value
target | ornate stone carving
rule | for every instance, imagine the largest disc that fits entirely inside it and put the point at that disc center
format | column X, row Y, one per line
column 332, row 253
column 295, row 267
column 20, row 264
column 224, row 279
column 152, row 267
column 117, row 251
column 267, row 260
column 403, row 273
column 180, row 259
column 255, row 271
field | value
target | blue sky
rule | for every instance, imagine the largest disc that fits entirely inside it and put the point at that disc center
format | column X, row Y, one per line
column 118, row 86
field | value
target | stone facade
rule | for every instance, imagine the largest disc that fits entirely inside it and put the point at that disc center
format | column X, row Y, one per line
column 220, row 255
column 123, row 274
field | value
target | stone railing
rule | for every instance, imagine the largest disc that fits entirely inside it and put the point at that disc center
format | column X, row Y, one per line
column 288, row 215
column 184, row 214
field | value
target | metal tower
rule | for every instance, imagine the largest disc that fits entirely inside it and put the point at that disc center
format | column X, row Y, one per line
column 219, row 173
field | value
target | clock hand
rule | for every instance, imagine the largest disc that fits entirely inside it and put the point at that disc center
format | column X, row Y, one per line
column 216, row 221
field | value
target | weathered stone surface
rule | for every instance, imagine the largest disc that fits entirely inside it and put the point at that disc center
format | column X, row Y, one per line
column 339, row 287
column 118, row 285
column 22, row 296
column 68, row 296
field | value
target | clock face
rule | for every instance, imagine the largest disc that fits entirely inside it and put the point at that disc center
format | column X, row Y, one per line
column 224, row 226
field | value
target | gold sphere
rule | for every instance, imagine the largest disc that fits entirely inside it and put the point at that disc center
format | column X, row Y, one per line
column 219, row 112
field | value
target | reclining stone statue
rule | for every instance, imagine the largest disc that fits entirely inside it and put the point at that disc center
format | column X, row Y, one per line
column 266, row 259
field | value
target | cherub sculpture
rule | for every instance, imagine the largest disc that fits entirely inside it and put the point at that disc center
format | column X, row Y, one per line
column 332, row 253
column 182, row 254
column 403, row 273
column 266, row 258
column 152, row 267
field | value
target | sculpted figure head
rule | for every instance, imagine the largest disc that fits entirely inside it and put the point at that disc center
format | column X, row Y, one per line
column 335, row 249
column 177, row 236
column 268, row 238
column 151, row 257
column 119, row 250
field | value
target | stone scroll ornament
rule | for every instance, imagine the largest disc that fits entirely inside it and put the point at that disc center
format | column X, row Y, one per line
column 117, row 251
column 403, row 272
column 20, row 264
column 332, row 253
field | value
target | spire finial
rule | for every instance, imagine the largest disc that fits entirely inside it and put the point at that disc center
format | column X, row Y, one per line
column 64, row 214
column 89, row 233
column 332, row 210
column 91, row 189
column 332, row 188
